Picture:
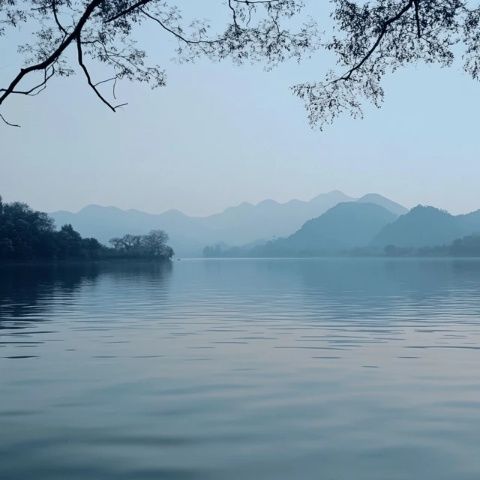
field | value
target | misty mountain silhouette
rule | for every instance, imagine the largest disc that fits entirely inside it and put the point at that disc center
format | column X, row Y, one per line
column 239, row 225
column 345, row 226
column 384, row 202
column 426, row 226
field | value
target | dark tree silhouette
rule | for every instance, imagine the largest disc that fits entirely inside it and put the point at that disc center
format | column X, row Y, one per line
column 28, row 235
column 370, row 39
column 152, row 245
column 103, row 31
column 378, row 37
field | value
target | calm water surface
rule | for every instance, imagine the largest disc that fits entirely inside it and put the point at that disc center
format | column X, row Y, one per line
column 241, row 369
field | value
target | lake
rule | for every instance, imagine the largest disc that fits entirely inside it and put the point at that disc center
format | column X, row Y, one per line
column 330, row 369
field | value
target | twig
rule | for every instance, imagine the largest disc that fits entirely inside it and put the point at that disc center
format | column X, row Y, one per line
column 8, row 123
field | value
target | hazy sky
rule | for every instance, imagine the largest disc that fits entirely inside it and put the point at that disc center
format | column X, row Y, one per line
column 218, row 135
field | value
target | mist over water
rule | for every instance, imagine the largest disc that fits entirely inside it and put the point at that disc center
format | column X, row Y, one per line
column 239, row 369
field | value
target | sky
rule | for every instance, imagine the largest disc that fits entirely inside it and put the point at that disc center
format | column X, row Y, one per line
column 219, row 135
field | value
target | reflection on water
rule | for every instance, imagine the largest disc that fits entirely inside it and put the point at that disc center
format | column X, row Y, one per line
column 241, row 369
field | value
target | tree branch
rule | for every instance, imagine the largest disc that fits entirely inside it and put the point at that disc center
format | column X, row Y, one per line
column 234, row 15
column 128, row 10
column 37, row 88
column 176, row 34
column 417, row 17
column 377, row 42
column 8, row 123
column 89, row 79
column 57, row 52
column 57, row 21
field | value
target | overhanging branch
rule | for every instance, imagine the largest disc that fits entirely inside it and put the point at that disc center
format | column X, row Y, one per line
column 348, row 75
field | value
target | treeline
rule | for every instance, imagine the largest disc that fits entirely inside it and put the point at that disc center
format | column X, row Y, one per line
column 468, row 246
column 26, row 234
column 153, row 244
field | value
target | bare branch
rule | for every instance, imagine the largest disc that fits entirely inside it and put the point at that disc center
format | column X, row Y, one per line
column 56, row 53
column 37, row 88
column 57, row 21
column 174, row 33
column 234, row 15
column 417, row 17
column 87, row 75
column 8, row 123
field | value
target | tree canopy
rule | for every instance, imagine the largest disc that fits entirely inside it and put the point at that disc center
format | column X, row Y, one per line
column 377, row 37
column 26, row 235
column 152, row 245
column 370, row 39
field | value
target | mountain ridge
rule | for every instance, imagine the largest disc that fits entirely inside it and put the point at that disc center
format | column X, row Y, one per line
column 427, row 226
column 236, row 225
column 362, row 228
column 343, row 227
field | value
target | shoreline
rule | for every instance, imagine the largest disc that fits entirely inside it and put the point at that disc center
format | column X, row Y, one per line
column 84, row 262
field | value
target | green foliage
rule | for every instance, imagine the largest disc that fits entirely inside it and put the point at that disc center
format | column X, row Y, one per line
column 27, row 235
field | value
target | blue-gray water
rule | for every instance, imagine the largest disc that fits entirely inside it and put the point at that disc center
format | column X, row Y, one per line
column 241, row 369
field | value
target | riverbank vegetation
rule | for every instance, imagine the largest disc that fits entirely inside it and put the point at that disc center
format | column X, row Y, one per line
column 466, row 247
column 29, row 235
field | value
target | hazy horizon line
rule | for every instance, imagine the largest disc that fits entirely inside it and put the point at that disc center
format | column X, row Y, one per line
column 246, row 202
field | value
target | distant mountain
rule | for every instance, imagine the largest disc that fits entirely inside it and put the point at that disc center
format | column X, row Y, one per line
column 427, row 226
column 384, row 202
column 343, row 227
column 243, row 224
column 247, row 223
column 187, row 234
column 471, row 222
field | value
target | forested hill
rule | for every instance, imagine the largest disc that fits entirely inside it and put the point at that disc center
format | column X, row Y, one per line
column 361, row 228
column 29, row 235
column 345, row 226
column 426, row 226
